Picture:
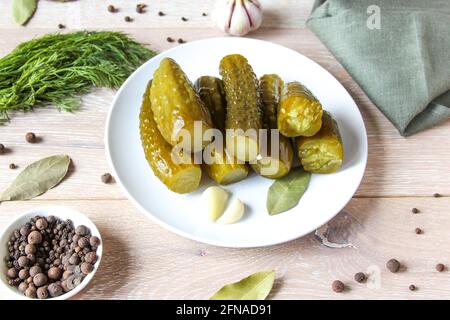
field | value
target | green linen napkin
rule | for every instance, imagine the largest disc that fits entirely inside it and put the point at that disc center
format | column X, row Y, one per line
column 404, row 66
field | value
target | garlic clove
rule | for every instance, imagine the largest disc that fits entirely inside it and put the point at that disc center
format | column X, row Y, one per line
column 213, row 201
column 233, row 213
column 223, row 13
column 254, row 10
column 240, row 22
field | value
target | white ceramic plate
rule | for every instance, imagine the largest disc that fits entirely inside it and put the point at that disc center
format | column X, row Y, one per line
column 326, row 194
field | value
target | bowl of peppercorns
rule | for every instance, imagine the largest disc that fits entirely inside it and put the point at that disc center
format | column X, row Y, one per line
column 49, row 253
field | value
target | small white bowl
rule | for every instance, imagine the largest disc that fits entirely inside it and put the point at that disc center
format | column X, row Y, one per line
column 59, row 212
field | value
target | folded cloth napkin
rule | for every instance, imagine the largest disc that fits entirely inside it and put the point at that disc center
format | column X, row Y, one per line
column 402, row 63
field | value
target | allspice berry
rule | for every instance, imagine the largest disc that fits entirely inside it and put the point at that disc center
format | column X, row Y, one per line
column 30, row 248
column 24, row 274
column 94, row 241
column 360, row 277
column 54, row 273
column 30, row 137
column 42, row 293
column 54, row 290
column 40, row 279
column 23, row 261
column 74, row 259
column 90, row 257
column 30, row 292
column 82, row 230
column 34, row 237
column 412, row 287
column 107, row 178
column 83, row 242
column 41, row 224
column 393, row 265
column 35, row 270
column 86, row 268
column 22, row 287
column 338, row 286
column 12, row 273
column 440, row 267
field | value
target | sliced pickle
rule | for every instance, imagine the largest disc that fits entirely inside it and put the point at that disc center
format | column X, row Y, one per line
column 300, row 113
column 323, row 152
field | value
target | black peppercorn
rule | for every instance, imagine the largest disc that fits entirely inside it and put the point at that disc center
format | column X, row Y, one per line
column 184, row 19
column 415, row 210
column 12, row 166
column 160, row 13
column 112, row 9
column 61, row 26
column 393, row 265
column 180, row 40
column 437, row 195
column 140, row 7
column 412, row 287
column 128, row 19
column 107, row 178
column 418, row 230
column 169, row 39
column 2, row 148
column 360, row 277
column 204, row 14
column 30, row 137
column 338, row 286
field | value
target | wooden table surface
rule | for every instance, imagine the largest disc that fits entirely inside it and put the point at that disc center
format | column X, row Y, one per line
column 144, row 261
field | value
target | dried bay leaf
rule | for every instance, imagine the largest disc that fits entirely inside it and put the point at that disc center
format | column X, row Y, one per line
column 22, row 10
column 37, row 178
column 254, row 287
column 285, row 193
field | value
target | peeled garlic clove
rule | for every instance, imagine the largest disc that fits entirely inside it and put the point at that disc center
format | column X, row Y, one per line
column 233, row 213
column 214, row 200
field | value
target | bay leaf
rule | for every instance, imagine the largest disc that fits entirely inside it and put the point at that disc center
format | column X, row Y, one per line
column 254, row 287
column 286, row 192
column 22, row 10
column 37, row 178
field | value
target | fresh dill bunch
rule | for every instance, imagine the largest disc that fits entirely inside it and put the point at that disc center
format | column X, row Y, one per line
column 57, row 68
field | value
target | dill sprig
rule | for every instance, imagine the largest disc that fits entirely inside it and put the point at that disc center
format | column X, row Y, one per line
column 57, row 68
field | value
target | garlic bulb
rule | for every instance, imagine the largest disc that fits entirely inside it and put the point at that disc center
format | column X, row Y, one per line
column 238, row 17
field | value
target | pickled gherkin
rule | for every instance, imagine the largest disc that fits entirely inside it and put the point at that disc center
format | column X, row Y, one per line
column 180, row 178
column 224, row 168
column 243, row 107
column 177, row 108
column 271, row 165
column 211, row 92
column 300, row 113
column 323, row 152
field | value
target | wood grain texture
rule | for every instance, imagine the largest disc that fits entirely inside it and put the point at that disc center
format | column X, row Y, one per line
column 142, row 260
column 401, row 173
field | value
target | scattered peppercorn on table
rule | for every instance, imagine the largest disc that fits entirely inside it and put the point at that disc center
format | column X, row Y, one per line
column 141, row 260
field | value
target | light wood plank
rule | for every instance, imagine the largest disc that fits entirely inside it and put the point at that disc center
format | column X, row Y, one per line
column 94, row 14
column 142, row 260
column 416, row 166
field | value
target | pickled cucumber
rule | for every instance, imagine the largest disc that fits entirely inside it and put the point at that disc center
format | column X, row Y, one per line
column 323, row 152
column 273, row 165
column 211, row 92
column 224, row 168
column 177, row 108
column 180, row 178
column 243, row 107
column 300, row 113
